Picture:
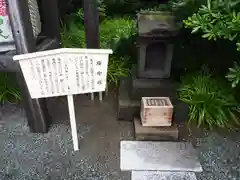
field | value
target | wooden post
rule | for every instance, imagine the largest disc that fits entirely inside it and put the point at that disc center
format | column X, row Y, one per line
column 49, row 17
column 35, row 109
column 91, row 23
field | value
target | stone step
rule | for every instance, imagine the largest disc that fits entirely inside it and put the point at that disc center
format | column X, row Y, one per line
column 158, row 156
column 160, row 175
column 143, row 133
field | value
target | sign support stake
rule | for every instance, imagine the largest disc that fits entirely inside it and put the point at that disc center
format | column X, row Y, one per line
column 92, row 96
column 100, row 96
column 73, row 121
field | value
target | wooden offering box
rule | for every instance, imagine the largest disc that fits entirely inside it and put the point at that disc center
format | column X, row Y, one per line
column 156, row 111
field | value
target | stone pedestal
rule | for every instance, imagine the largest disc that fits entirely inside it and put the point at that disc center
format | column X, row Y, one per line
column 141, row 87
column 129, row 103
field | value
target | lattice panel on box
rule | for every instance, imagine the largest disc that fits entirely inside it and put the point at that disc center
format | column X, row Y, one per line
column 69, row 71
column 34, row 16
column 157, row 102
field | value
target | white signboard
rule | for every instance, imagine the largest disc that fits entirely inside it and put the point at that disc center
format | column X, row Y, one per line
column 65, row 72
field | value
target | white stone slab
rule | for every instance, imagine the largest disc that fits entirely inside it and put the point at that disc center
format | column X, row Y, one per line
column 158, row 156
column 160, row 175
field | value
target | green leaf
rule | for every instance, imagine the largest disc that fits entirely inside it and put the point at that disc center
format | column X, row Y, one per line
column 209, row 4
column 206, row 35
column 232, row 37
column 234, row 3
column 230, row 76
column 232, row 70
column 234, row 14
column 238, row 45
column 234, row 84
column 195, row 29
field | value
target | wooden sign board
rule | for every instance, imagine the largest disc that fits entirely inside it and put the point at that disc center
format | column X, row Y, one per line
column 65, row 71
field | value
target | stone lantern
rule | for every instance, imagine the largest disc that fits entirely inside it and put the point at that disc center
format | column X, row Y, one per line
column 151, row 75
column 155, row 31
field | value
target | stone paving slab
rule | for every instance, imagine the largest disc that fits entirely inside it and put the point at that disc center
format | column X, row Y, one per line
column 158, row 156
column 159, row 175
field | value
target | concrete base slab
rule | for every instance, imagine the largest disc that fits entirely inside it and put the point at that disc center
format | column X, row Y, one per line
column 155, row 133
column 159, row 175
column 158, row 156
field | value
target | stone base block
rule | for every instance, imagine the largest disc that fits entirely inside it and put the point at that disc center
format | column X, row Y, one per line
column 155, row 133
column 141, row 87
column 127, row 107
column 152, row 88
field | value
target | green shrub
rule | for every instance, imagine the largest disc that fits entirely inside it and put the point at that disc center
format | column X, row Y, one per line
column 117, row 69
column 218, row 19
column 185, row 8
column 113, row 31
column 159, row 7
column 115, row 34
column 73, row 35
column 120, row 7
column 9, row 91
column 211, row 102
column 79, row 15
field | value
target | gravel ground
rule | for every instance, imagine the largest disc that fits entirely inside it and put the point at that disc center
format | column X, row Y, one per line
column 50, row 156
column 219, row 156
